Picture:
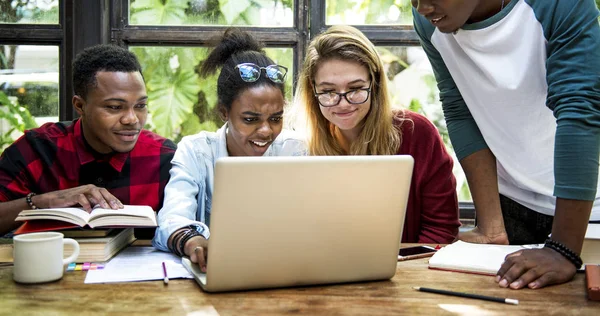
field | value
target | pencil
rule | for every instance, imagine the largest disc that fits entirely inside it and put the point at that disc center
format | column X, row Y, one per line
column 166, row 279
column 468, row 295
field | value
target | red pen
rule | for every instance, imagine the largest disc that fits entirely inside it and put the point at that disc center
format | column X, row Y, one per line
column 166, row 279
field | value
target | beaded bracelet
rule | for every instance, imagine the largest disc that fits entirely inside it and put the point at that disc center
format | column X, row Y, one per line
column 174, row 241
column 30, row 202
column 189, row 234
column 565, row 252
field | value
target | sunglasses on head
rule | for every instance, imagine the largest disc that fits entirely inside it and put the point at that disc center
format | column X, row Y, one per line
column 250, row 72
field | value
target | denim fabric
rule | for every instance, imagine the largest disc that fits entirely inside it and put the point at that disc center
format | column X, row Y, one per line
column 524, row 225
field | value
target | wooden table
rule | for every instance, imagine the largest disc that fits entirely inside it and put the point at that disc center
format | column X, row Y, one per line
column 396, row 296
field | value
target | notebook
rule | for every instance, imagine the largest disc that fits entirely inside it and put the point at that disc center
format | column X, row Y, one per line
column 467, row 257
column 293, row 221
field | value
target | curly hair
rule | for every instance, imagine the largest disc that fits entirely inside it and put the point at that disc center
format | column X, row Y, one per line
column 233, row 48
column 98, row 58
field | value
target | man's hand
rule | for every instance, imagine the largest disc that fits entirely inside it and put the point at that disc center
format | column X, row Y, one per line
column 87, row 196
column 197, row 249
column 477, row 236
column 534, row 268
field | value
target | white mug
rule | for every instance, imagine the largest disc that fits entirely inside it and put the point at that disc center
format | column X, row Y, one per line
column 38, row 257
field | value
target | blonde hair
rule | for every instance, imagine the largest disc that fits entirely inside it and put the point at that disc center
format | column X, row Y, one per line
column 378, row 135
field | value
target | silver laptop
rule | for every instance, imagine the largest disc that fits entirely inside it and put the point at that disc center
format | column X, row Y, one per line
column 292, row 221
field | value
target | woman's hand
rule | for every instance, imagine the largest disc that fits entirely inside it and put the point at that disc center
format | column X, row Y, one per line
column 197, row 249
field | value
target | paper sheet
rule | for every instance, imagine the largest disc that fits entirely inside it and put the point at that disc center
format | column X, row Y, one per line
column 139, row 264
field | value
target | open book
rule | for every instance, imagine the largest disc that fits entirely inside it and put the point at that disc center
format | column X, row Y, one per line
column 62, row 218
column 473, row 258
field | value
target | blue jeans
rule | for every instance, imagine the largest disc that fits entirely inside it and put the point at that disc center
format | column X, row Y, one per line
column 524, row 225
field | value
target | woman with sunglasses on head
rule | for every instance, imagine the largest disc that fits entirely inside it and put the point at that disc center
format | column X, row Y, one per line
column 342, row 92
column 250, row 91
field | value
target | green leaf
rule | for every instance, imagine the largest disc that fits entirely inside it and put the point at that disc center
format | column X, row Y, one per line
column 171, row 101
column 232, row 9
column 18, row 118
column 415, row 106
column 161, row 12
column 193, row 126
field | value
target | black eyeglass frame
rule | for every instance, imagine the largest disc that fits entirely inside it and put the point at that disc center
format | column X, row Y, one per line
column 340, row 95
column 255, row 66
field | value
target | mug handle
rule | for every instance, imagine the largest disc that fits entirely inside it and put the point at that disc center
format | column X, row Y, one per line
column 75, row 254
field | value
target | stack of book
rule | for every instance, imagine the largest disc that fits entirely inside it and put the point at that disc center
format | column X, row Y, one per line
column 100, row 234
column 95, row 248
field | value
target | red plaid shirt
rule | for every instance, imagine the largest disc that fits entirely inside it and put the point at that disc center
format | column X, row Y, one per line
column 55, row 157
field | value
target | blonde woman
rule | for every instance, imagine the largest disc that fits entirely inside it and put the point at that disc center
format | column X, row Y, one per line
column 342, row 94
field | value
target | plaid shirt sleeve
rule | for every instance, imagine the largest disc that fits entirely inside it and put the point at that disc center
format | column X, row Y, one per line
column 150, row 163
column 46, row 160
column 167, row 153
column 17, row 162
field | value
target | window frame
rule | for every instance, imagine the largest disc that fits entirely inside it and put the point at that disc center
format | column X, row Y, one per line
column 107, row 21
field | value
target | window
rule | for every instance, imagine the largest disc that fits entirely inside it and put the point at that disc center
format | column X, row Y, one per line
column 29, row 12
column 267, row 13
column 31, row 39
column 176, row 91
column 388, row 24
column 357, row 12
column 172, row 36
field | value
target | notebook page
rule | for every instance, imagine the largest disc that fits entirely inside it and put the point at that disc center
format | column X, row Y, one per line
column 474, row 258
column 139, row 264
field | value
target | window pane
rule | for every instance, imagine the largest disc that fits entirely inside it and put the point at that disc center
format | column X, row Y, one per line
column 180, row 102
column 28, row 89
column 365, row 12
column 413, row 87
column 215, row 12
column 29, row 11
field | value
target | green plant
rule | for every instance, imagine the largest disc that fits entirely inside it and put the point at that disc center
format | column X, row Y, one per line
column 180, row 102
column 18, row 119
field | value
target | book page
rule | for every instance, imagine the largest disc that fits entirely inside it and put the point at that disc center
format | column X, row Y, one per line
column 72, row 215
column 129, row 215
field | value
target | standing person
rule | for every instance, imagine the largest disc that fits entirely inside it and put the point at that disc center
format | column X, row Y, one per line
column 250, row 91
column 104, row 157
column 520, row 87
column 342, row 92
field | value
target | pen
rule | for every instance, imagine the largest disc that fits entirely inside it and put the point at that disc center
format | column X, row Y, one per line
column 481, row 297
column 166, row 279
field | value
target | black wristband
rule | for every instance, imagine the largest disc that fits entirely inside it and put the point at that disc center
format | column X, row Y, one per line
column 565, row 252
column 174, row 241
column 30, row 202
column 184, row 239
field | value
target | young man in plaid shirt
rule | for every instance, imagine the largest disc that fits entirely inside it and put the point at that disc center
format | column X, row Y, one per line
column 104, row 157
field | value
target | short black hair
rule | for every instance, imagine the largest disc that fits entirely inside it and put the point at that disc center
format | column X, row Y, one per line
column 104, row 57
column 235, row 47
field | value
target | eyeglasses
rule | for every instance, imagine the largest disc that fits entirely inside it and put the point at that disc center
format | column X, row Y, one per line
column 250, row 72
column 332, row 98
